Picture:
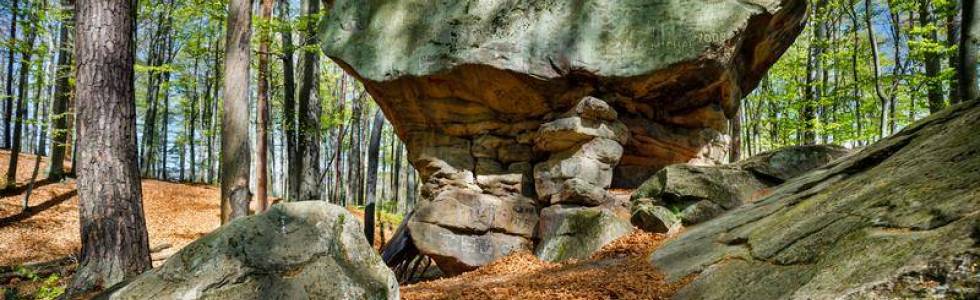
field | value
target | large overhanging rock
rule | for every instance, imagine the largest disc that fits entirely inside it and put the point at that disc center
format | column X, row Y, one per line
column 469, row 85
column 300, row 250
column 898, row 220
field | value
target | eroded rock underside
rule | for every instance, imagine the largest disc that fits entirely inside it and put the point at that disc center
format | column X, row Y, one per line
column 900, row 219
column 501, row 102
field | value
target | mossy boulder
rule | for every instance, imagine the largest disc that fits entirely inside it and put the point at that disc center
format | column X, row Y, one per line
column 300, row 250
column 701, row 193
column 862, row 227
column 570, row 231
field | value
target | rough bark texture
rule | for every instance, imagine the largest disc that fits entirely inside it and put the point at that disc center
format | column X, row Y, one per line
column 262, row 120
column 857, row 228
column 488, row 96
column 235, row 153
column 503, row 104
column 289, row 104
column 62, row 91
column 309, row 109
column 115, row 245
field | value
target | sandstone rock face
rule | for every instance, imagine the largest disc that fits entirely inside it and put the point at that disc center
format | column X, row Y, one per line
column 897, row 220
column 300, row 250
column 700, row 193
column 503, row 98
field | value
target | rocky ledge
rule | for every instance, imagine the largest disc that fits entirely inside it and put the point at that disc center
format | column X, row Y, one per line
column 899, row 219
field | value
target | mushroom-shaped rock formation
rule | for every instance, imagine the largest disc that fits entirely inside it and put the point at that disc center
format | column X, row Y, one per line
column 494, row 98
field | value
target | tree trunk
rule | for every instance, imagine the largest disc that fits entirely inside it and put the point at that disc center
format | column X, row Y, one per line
column 115, row 246
column 235, row 153
column 309, row 108
column 192, row 126
column 372, row 175
column 213, row 111
column 289, row 104
column 952, row 39
column 813, row 65
column 21, row 108
column 932, row 62
column 879, row 92
column 262, row 107
column 735, row 148
column 969, row 41
column 8, row 102
column 156, row 58
column 165, row 123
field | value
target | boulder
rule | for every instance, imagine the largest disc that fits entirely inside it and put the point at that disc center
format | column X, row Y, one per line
column 592, row 108
column 463, row 229
column 785, row 163
column 650, row 217
column 575, row 232
column 550, row 176
column 477, row 213
column 898, row 219
column 456, row 253
column 701, row 193
column 581, row 192
column 300, row 250
column 568, row 132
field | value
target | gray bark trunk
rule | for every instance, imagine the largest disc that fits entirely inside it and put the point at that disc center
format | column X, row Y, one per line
column 309, row 110
column 235, row 152
column 374, row 150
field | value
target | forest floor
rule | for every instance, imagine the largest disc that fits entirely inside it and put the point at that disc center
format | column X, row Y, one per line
column 38, row 248
column 618, row 271
column 46, row 239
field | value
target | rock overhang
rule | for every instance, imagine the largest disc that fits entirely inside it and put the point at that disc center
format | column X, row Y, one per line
column 468, row 85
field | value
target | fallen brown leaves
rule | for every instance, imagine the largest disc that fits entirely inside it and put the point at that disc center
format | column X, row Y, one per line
column 176, row 214
column 618, row 271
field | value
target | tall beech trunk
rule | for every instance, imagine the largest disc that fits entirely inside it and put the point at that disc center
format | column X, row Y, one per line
column 289, row 104
column 115, row 246
column 235, row 152
column 262, row 108
column 309, row 110
column 372, row 174
column 192, row 124
column 969, row 41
